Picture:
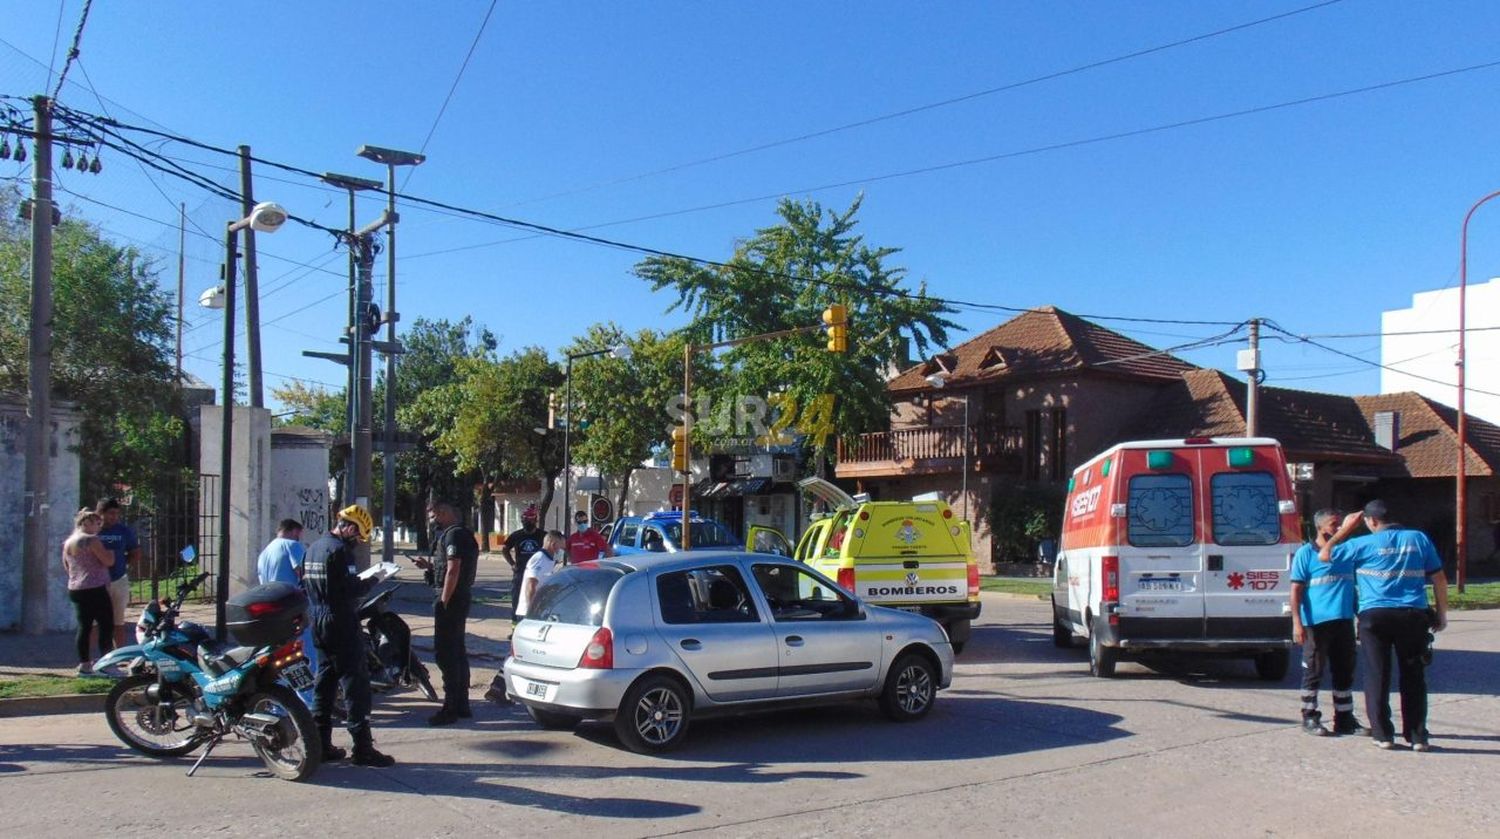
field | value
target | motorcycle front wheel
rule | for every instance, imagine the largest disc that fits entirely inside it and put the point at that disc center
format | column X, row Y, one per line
column 159, row 728
column 294, row 751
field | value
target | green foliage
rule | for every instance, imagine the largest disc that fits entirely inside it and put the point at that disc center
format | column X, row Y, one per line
column 112, row 338
column 1020, row 517
column 754, row 294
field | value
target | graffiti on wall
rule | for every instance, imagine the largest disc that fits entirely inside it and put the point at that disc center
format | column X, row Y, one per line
column 312, row 509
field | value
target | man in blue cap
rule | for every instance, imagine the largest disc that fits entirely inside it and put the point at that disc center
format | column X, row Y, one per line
column 1392, row 566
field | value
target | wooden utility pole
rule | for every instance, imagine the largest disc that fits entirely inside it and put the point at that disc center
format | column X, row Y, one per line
column 34, row 611
column 252, row 286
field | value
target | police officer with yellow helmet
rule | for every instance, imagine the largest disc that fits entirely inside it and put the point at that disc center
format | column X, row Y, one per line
column 334, row 590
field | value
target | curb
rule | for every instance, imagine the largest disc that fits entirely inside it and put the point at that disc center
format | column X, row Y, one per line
column 68, row 703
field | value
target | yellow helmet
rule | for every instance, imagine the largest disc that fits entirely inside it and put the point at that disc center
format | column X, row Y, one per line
column 360, row 518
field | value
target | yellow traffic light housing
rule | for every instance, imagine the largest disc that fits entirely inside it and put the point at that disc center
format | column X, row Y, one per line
column 836, row 316
column 680, row 449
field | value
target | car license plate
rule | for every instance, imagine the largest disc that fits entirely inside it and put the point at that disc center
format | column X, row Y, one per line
column 1150, row 584
column 298, row 675
column 917, row 609
column 537, row 690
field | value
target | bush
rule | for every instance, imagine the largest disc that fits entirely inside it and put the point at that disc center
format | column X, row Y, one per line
column 1020, row 518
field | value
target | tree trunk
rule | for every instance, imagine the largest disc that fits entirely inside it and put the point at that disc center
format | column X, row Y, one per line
column 486, row 512
column 549, row 481
column 624, row 492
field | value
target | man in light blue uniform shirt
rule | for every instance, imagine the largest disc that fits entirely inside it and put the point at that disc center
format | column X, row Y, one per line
column 281, row 562
column 1322, row 600
column 1391, row 568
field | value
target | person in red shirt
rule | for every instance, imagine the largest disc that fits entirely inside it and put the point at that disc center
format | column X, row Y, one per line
column 584, row 543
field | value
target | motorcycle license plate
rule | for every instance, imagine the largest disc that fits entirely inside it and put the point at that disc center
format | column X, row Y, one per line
column 299, row 675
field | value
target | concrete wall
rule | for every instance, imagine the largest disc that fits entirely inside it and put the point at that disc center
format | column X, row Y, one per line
column 63, row 503
column 299, row 481
column 1432, row 355
column 251, row 523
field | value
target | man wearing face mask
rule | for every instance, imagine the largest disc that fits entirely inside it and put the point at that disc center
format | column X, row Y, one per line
column 584, row 543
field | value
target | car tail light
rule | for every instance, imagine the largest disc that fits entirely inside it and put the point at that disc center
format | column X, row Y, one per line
column 1110, row 568
column 973, row 581
column 846, row 579
column 600, row 653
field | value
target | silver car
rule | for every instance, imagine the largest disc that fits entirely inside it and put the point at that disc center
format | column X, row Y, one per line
column 651, row 641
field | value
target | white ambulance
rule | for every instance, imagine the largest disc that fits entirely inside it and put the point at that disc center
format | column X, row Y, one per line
column 1180, row 545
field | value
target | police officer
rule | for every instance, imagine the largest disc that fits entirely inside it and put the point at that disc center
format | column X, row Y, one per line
column 1392, row 566
column 334, row 590
column 453, row 566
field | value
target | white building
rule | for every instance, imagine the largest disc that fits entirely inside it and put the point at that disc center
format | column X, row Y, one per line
column 1432, row 355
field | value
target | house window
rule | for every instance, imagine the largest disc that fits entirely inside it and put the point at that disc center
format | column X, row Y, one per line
column 1059, row 454
column 1033, row 445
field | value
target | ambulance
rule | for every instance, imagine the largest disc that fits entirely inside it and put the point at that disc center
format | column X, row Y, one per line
column 1180, row 545
column 909, row 555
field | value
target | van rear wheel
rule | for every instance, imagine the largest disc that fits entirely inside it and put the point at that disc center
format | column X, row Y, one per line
column 1102, row 659
column 1272, row 666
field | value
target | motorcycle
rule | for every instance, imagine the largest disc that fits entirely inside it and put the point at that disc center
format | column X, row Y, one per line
column 393, row 663
column 182, row 690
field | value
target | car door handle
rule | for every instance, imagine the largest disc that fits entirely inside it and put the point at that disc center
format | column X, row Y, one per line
column 794, row 640
column 691, row 644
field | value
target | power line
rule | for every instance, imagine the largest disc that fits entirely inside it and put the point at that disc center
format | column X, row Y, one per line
column 1310, row 342
column 62, row 7
column 1081, row 68
column 456, row 79
column 83, row 20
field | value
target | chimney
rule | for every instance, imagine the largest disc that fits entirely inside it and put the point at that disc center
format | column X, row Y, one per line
column 1387, row 428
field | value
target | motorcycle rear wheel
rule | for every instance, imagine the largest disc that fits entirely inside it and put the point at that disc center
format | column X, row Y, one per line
column 295, row 751
column 145, row 725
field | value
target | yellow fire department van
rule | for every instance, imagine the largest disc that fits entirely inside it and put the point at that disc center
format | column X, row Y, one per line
column 1178, row 545
column 910, row 555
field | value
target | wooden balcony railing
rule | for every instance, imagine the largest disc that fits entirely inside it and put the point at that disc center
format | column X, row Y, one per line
column 989, row 445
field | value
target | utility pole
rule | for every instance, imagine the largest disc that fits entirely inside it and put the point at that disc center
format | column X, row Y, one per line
column 181, row 280
column 37, row 564
column 388, row 429
column 1249, row 363
column 252, row 286
column 361, row 433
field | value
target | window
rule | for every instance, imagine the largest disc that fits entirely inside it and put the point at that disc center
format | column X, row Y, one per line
column 1245, row 511
column 1161, row 511
column 795, row 594
column 1033, row 445
column 1059, row 453
column 575, row 595
column 629, row 532
column 706, row 534
column 705, row 595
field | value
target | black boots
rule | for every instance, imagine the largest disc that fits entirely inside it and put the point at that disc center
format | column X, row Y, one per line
column 331, row 752
column 366, row 755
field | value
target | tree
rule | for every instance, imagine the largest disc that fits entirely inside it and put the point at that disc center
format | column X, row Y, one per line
column 620, row 405
column 783, row 278
column 111, row 351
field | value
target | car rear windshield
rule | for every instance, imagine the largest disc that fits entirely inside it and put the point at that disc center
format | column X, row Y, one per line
column 1161, row 511
column 576, row 595
column 1245, row 509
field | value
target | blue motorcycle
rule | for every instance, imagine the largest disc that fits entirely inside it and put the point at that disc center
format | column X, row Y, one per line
column 183, row 690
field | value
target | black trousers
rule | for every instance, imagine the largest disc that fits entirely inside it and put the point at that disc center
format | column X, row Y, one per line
column 450, row 649
column 1329, row 647
column 92, row 607
column 341, row 663
column 1403, row 631
column 516, row 575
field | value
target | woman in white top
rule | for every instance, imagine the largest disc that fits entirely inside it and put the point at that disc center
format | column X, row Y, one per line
column 541, row 566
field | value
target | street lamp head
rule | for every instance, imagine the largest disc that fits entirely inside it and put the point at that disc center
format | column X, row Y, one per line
column 938, row 380
column 391, row 157
column 352, row 183
column 212, row 298
column 267, row 217
column 621, row 352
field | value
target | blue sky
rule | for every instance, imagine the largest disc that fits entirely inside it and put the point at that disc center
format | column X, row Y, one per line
column 1318, row 216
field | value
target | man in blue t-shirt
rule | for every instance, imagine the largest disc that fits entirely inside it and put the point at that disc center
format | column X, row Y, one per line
column 1323, row 623
column 1392, row 566
column 281, row 560
column 122, row 542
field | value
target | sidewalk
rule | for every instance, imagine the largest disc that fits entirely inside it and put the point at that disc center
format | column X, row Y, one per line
column 52, row 654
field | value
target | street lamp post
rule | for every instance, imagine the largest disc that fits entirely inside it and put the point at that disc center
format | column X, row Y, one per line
column 620, row 351
column 266, row 217
column 939, row 381
column 391, row 158
column 1461, row 518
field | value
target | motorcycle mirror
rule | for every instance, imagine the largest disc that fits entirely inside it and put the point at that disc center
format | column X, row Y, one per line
column 189, row 555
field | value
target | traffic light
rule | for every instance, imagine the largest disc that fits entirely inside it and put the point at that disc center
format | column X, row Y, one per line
column 837, row 318
column 680, row 449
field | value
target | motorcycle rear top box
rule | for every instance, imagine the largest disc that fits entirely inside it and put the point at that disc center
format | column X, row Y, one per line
column 266, row 614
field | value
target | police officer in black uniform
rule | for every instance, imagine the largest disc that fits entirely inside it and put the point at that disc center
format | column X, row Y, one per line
column 451, row 571
column 334, row 590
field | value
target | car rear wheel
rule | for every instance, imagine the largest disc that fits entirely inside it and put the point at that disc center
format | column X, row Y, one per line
column 653, row 716
column 1102, row 659
column 910, row 688
column 1272, row 666
column 1062, row 634
column 552, row 720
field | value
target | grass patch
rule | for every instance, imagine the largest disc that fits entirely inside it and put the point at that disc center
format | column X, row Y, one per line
column 140, row 589
column 29, row 686
column 1016, row 585
column 1475, row 596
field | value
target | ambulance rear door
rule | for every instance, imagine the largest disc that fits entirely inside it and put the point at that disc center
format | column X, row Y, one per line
column 1248, row 510
column 1160, row 555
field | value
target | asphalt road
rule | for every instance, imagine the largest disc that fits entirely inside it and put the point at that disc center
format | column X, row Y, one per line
column 1024, row 744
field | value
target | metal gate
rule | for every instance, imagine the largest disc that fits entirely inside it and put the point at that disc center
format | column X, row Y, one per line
column 168, row 521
